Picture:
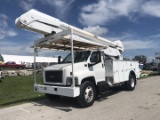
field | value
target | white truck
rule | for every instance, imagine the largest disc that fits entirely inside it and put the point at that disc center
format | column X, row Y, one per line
column 93, row 65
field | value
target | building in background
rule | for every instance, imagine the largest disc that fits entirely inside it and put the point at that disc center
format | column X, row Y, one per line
column 20, row 62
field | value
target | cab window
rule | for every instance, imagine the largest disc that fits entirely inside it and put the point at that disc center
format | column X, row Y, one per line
column 95, row 57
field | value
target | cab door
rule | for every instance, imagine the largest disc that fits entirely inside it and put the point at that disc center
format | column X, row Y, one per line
column 97, row 65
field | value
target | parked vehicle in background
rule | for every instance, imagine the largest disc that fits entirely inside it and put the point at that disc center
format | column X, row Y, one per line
column 11, row 62
column 141, row 66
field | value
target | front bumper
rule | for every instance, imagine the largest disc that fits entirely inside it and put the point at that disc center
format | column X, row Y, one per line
column 57, row 90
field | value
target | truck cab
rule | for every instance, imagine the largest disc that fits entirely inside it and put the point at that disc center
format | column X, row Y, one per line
column 87, row 64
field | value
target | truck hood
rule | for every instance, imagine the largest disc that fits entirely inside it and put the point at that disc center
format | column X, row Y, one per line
column 57, row 67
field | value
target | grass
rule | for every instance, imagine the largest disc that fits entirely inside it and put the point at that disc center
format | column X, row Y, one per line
column 153, row 73
column 18, row 89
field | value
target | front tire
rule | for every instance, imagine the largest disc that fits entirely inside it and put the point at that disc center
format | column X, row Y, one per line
column 131, row 83
column 87, row 94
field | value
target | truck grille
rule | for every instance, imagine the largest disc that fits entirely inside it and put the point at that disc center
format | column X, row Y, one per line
column 53, row 76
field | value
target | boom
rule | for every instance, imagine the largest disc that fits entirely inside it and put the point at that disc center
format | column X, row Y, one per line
column 39, row 22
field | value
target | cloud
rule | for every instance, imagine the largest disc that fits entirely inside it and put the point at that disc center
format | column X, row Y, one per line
column 7, row 33
column 15, row 48
column 106, row 10
column 5, row 30
column 155, row 37
column 27, row 4
column 11, row 33
column 61, row 6
column 1, row 35
column 3, row 16
column 34, row 36
column 131, row 41
column 97, row 30
column 151, row 8
column 3, row 20
column 24, row 49
column 139, row 44
column 3, row 25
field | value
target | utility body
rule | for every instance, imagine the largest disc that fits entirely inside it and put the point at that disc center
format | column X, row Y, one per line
column 94, row 64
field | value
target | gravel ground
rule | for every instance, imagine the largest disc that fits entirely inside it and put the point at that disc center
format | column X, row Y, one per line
column 141, row 104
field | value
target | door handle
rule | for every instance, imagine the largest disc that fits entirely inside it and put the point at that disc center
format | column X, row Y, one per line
column 102, row 65
column 85, row 65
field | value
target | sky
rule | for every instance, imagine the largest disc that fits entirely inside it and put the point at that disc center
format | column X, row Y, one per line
column 135, row 22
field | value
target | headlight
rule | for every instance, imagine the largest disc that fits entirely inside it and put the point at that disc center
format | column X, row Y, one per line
column 69, row 81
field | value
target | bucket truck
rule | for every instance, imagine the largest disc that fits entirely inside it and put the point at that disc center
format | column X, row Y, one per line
column 93, row 65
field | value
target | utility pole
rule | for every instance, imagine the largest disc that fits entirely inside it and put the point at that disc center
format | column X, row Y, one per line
column 158, row 61
column 157, row 56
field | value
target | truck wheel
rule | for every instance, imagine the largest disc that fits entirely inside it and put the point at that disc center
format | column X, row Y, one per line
column 131, row 83
column 87, row 94
column 52, row 97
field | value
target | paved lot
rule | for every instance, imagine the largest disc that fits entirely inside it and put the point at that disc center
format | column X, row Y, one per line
column 141, row 104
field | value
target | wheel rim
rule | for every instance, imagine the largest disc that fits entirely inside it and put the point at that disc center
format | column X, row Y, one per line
column 89, row 94
column 132, row 82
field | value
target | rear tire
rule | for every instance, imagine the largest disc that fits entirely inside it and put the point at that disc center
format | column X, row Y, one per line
column 87, row 94
column 52, row 97
column 131, row 83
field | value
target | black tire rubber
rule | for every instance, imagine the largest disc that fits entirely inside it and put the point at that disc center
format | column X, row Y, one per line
column 81, row 98
column 129, row 84
column 52, row 97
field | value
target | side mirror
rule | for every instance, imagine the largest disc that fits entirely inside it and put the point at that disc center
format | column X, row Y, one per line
column 59, row 59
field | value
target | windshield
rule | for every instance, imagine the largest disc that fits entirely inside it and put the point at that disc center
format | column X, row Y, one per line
column 78, row 57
